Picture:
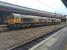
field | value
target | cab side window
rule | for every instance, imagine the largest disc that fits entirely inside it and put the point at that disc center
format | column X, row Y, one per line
column 11, row 17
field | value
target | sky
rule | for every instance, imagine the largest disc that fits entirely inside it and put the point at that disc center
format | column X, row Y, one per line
column 55, row 6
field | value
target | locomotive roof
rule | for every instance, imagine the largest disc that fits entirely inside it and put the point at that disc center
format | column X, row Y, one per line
column 28, row 16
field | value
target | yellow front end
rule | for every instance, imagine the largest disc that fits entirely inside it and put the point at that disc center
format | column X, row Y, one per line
column 11, row 21
column 14, row 21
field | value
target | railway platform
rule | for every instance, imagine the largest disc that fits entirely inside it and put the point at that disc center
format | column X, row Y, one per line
column 58, row 41
column 15, row 38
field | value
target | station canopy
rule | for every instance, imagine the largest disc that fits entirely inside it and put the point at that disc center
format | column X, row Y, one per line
column 64, row 2
column 28, row 11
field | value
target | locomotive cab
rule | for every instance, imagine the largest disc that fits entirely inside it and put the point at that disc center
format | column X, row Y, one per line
column 12, row 20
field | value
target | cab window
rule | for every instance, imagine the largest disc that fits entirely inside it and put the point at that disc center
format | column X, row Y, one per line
column 11, row 17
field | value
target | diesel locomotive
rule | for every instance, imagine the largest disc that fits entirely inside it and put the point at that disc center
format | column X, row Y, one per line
column 20, row 21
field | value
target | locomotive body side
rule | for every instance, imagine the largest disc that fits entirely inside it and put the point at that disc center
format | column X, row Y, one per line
column 20, row 21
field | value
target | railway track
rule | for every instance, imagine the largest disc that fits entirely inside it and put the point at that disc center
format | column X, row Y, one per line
column 15, row 38
column 3, row 28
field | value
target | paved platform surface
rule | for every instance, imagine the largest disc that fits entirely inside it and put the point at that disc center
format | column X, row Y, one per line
column 57, row 41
